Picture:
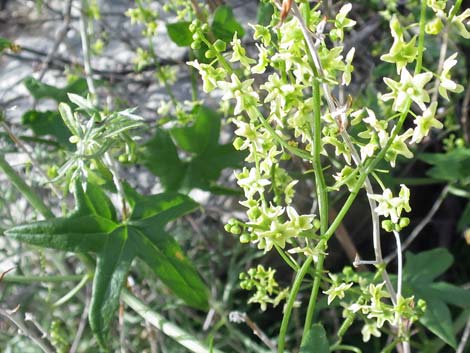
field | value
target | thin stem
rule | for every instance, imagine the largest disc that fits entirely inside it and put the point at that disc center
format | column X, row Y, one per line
column 294, row 150
column 161, row 73
column 290, row 303
column 400, row 264
column 168, row 328
column 465, row 337
column 422, row 24
column 117, row 182
column 317, row 167
column 315, row 289
column 322, row 194
column 82, row 324
column 41, row 279
column 86, row 50
column 74, row 291
column 370, row 167
column 25, row 189
column 32, row 159
column 288, row 259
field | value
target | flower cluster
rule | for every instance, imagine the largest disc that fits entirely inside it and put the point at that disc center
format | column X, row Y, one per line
column 392, row 207
column 371, row 302
column 267, row 290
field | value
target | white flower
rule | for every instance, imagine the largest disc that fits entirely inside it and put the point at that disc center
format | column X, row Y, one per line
column 446, row 83
column 425, row 122
column 408, row 87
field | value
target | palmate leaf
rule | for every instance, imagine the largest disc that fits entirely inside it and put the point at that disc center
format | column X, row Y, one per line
column 419, row 274
column 207, row 157
column 93, row 227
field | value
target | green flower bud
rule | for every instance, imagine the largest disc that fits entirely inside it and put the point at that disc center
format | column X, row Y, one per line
column 236, row 229
column 220, row 45
column 245, row 238
column 316, row 224
column 210, row 54
column 388, row 225
column 404, row 222
column 196, row 45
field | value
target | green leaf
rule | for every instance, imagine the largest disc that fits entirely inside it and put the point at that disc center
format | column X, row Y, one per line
column 451, row 166
column 162, row 208
column 47, row 123
column 164, row 256
column 179, row 33
column 202, row 169
column 438, row 320
column 160, row 156
column 6, row 44
column 449, row 293
column 94, row 227
column 82, row 103
column 111, row 271
column 315, row 341
column 40, row 90
column 224, row 24
column 75, row 233
column 202, row 134
column 426, row 266
column 265, row 13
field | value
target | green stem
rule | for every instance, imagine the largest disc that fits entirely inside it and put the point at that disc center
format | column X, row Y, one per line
column 360, row 182
column 25, row 189
column 193, row 77
column 294, row 150
column 454, row 10
column 290, row 303
column 315, row 288
column 168, row 328
column 74, row 291
column 322, row 195
column 41, row 279
column 291, row 262
column 422, row 24
column 322, row 192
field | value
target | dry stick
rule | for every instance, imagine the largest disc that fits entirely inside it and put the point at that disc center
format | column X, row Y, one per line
column 417, row 230
column 62, row 31
column 82, row 324
column 86, row 49
column 465, row 337
column 33, row 160
column 344, row 135
column 465, row 114
column 238, row 317
column 27, row 331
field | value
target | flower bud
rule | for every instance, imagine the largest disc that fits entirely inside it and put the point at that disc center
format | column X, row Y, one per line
column 245, row 238
column 220, row 45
